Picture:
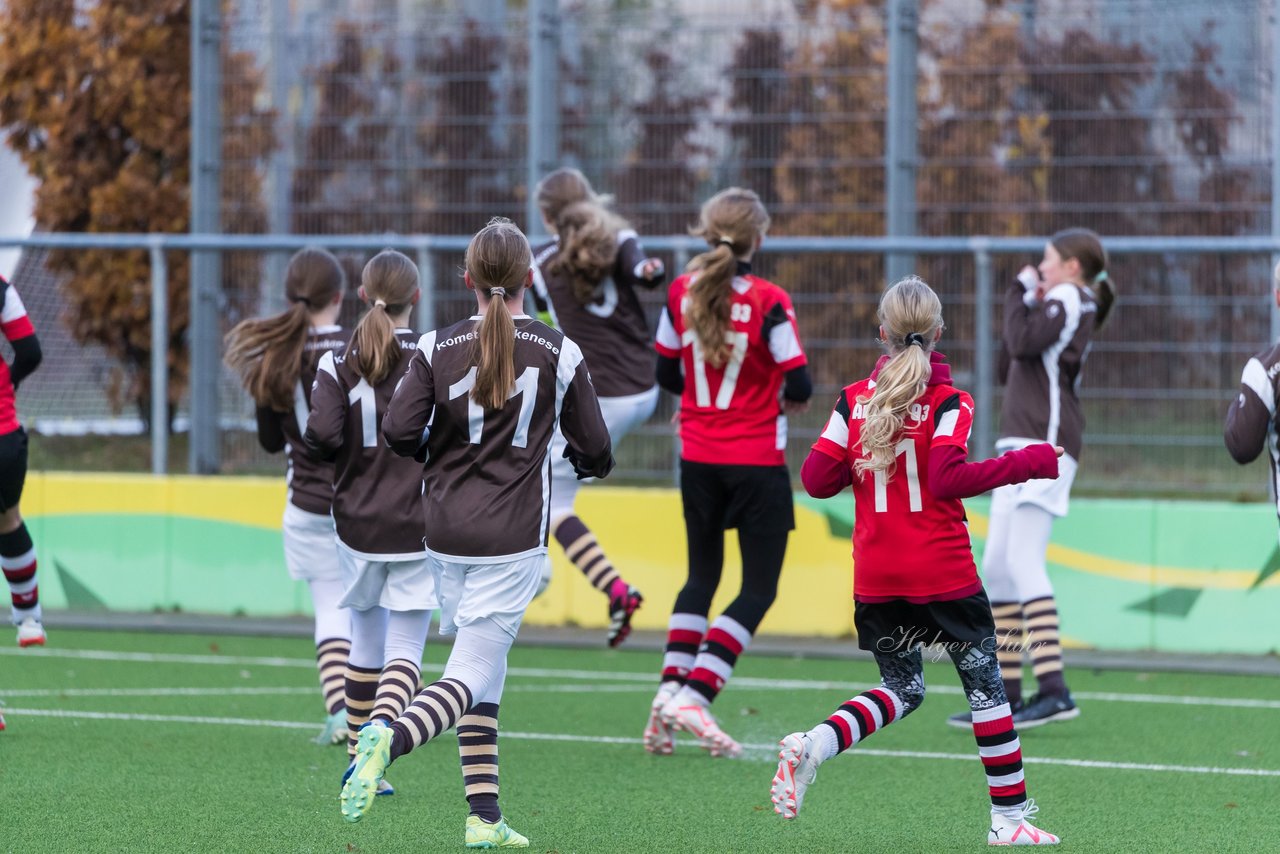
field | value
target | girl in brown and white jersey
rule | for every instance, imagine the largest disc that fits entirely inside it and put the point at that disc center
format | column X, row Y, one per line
column 586, row 283
column 390, row 589
column 480, row 405
column 276, row 358
column 1252, row 421
column 1050, row 315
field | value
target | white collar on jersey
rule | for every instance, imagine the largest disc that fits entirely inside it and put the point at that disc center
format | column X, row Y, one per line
column 513, row 317
column 328, row 327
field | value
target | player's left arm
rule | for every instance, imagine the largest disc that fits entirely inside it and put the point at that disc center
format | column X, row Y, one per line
column 633, row 267
column 586, row 434
column 327, row 421
column 951, row 477
column 669, row 372
column 782, row 333
column 21, row 334
column 1250, row 414
column 406, row 425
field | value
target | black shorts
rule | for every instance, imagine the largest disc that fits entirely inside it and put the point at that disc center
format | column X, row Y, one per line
column 13, row 468
column 757, row 498
column 899, row 625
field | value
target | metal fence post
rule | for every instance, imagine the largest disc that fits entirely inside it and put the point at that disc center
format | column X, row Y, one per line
column 544, row 103
column 206, row 209
column 427, row 284
column 900, row 133
column 983, row 352
column 159, row 358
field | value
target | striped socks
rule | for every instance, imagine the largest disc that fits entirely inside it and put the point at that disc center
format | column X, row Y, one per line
column 361, row 696
column 331, row 659
column 684, row 636
column 18, row 560
column 1001, row 754
column 1041, row 617
column 1008, row 616
column 396, row 687
column 855, row 720
column 717, row 656
column 478, row 752
column 436, row 709
column 582, row 549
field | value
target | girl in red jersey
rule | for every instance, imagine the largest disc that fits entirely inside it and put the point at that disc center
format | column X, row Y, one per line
column 276, row 358
column 17, row 552
column 585, row 282
column 1050, row 315
column 729, row 345
column 899, row 438
column 390, row 589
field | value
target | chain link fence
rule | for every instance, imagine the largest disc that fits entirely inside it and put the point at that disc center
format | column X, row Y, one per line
column 1133, row 117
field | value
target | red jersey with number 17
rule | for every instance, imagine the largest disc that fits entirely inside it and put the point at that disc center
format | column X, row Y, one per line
column 731, row 415
column 907, row 544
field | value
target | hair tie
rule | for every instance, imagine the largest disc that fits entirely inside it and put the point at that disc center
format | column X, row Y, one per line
column 302, row 300
column 498, row 292
column 379, row 302
column 1100, row 278
column 727, row 241
column 915, row 338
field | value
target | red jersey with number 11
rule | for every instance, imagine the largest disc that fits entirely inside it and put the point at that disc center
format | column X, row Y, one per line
column 907, row 544
column 731, row 415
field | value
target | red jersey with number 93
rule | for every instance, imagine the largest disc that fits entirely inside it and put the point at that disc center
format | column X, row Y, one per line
column 731, row 415
column 906, row 542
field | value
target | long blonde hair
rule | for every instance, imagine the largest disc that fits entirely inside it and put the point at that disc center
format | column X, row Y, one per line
column 731, row 222
column 498, row 261
column 390, row 283
column 267, row 351
column 911, row 317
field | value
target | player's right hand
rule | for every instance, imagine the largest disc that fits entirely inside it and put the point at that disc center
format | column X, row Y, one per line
column 1059, row 450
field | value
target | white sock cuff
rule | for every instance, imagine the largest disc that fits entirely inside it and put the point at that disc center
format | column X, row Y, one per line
column 823, row 740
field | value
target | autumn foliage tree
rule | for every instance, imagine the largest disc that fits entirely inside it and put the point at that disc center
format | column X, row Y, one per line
column 96, row 99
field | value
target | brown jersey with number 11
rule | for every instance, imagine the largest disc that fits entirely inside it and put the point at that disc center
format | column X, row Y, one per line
column 487, row 492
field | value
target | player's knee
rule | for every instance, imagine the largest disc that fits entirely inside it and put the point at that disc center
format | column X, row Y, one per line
column 911, row 694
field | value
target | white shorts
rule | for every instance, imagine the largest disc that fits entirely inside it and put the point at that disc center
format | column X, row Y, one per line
column 310, row 545
column 476, row 591
column 621, row 416
column 1050, row 494
column 397, row 585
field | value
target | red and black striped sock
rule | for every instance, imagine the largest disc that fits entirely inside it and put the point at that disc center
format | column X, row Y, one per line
column 360, row 695
column 1001, row 754
column 717, row 656
column 18, row 561
column 478, row 751
column 331, row 659
column 684, row 636
column 864, row 715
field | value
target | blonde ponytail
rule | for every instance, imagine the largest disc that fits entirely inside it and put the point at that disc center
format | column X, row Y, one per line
column 496, row 373
column 911, row 317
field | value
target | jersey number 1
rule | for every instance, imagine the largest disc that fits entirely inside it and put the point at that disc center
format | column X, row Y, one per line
column 526, row 389
column 737, row 353
column 907, row 450
column 362, row 393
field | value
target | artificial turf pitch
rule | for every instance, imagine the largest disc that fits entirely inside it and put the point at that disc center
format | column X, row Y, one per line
column 123, row 741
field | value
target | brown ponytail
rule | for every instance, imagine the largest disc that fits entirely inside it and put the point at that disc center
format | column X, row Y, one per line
column 731, row 222
column 498, row 261
column 588, row 246
column 1086, row 247
column 267, row 352
column 390, row 282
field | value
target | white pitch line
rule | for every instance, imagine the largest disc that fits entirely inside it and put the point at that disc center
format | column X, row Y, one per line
column 155, row 692
column 647, row 679
column 757, row 752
